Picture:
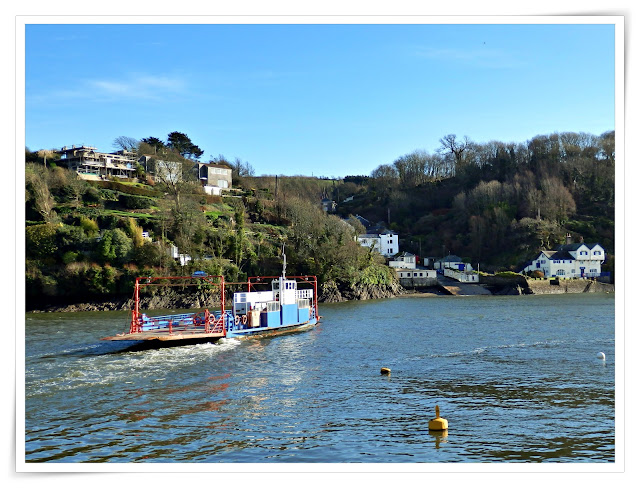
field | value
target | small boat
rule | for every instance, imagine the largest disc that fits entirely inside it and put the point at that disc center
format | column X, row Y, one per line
column 291, row 304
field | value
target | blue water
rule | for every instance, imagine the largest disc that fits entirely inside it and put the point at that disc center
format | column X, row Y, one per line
column 517, row 378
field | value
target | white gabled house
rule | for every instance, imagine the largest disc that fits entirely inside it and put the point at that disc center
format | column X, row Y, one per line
column 385, row 242
column 578, row 260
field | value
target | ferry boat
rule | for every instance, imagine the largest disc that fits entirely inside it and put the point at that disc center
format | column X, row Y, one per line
column 290, row 304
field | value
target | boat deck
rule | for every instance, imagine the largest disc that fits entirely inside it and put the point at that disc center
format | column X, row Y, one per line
column 166, row 335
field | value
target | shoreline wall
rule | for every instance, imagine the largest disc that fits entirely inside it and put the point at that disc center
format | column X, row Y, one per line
column 331, row 292
column 555, row 287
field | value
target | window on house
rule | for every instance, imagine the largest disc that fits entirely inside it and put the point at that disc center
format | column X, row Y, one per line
column 560, row 272
column 597, row 253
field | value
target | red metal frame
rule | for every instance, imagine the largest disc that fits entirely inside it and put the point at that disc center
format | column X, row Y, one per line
column 211, row 324
column 149, row 281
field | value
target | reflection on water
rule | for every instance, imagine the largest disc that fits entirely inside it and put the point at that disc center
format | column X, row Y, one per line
column 516, row 377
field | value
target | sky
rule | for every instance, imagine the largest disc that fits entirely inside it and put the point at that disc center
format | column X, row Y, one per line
column 322, row 99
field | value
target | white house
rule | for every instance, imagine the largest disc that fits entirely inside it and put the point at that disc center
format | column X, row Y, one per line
column 452, row 262
column 404, row 260
column 578, row 260
column 175, row 253
column 416, row 277
column 385, row 242
column 462, row 276
column 90, row 164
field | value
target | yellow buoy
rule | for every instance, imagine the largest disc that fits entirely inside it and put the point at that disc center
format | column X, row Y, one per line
column 385, row 371
column 438, row 423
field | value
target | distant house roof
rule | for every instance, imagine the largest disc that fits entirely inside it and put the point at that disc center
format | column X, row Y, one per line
column 576, row 246
column 406, row 254
column 217, row 165
column 451, row 258
column 362, row 220
column 563, row 251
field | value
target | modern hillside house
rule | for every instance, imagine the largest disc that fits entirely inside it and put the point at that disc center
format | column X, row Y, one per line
column 571, row 260
column 92, row 164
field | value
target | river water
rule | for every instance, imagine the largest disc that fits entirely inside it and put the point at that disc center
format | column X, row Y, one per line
column 517, row 378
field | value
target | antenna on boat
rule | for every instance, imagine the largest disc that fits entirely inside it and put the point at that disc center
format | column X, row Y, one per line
column 284, row 262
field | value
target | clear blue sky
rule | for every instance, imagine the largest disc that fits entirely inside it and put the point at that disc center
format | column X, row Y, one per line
column 327, row 100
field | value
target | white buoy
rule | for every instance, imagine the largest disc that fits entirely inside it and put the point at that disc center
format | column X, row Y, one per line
column 601, row 356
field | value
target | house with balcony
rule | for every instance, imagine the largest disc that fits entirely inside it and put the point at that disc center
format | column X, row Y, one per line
column 404, row 260
column 91, row 164
column 570, row 260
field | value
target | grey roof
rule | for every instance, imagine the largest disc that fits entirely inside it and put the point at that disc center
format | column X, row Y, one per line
column 575, row 246
column 451, row 258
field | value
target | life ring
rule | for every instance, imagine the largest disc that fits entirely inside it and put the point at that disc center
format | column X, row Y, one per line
column 244, row 319
column 237, row 319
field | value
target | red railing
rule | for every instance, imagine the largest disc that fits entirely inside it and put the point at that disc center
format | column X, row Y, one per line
column 144, row 281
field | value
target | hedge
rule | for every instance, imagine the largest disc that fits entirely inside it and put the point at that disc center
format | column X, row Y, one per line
column 131, row 190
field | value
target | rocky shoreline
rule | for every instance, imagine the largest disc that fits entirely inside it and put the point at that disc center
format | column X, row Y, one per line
column 330, row 292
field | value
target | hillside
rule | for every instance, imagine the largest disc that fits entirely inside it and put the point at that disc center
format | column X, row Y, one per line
column 495, row 205
column 87, row 241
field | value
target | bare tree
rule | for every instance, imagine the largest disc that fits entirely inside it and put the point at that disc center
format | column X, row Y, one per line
column 449, row 144
column 126, row 143
column 38, row 188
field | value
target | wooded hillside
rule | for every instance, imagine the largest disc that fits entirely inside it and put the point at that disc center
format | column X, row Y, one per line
column 495, row 204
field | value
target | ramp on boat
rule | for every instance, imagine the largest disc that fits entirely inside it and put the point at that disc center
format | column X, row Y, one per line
column 166, row 336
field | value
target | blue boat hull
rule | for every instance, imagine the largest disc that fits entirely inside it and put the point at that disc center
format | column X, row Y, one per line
column 268, row 331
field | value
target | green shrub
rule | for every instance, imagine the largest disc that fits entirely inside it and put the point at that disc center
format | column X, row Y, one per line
column 130, row 189
column 91, row 196
column 134, row 201
column 41, row 240
column 114, row 247
column 70, row 257
column 147, row 255
column 90, row 226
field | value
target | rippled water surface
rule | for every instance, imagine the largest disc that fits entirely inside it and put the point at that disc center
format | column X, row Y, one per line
column 517, row 378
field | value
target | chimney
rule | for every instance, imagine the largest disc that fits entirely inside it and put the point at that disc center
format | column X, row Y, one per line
column 568, row 239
